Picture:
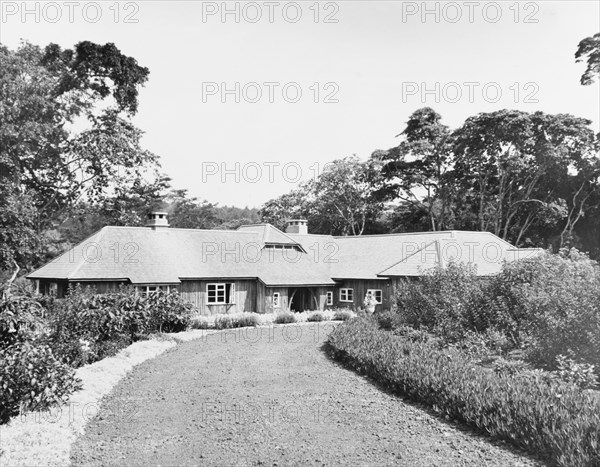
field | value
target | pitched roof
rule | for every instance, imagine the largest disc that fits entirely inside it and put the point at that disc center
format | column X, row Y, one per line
column 144, row 256
column 168, row 255
column 409, row 254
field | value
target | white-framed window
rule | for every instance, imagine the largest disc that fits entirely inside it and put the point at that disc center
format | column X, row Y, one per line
column 346, row 295
column 219, row 293
column 146, row 290
column 329, row 300
column 377, row 293
column 276, row 300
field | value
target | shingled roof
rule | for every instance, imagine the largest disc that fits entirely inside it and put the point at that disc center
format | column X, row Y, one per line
column 144, row 255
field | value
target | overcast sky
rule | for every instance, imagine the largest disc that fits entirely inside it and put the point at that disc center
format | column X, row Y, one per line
column 373, row 62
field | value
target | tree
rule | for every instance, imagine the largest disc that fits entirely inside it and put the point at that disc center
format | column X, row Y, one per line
column 345, row 200
column 416, row 170
column 189, row 213
column 292, row 205
column 518, row 170
column 589, row 48
column 46, row 160
column 341, row 201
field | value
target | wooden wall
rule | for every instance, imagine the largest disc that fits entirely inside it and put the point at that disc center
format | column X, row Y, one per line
column 360, row 290
column 245, row 296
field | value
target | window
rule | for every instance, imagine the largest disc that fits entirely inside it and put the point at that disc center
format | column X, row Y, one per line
column 377, row 293
column 219, row 293
column 53, row 288
column 146, row 290
column 346, row 295
column 276, row 300
column 329, row 298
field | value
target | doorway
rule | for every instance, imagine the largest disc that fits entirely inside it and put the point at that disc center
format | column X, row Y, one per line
column 302, row 299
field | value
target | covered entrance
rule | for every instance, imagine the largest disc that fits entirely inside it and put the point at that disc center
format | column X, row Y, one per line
column 303, row 299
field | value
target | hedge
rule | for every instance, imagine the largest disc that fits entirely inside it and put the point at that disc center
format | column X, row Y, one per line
column 554, row 420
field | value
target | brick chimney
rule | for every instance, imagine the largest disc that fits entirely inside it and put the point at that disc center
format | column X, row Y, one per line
column 157, row 220
column 297, row 226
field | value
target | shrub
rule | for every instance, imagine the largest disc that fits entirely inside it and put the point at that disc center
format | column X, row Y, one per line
column 247, row 319
column 223, row 322
column 413, row 335
column 551, row 305
column 167, row 312
column 86, row 327
column 553, row 419
column 20, row 319
column 285, row 318
column 315, row 317
column 510, row 367
column 548, row 306
column 446, row 301
column 388, row 320
column 31, row 378
column 236, row 321
column 200, row 322
column 581, row 374
column 343, row 315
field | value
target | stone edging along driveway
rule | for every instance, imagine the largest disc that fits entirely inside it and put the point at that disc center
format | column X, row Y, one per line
column 269, row 396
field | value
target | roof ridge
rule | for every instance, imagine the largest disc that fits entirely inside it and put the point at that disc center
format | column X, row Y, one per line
column 171, row 229
column 398, row 234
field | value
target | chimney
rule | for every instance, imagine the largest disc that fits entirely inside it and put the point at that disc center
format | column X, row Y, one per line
column 297, row 226
column 157, row 220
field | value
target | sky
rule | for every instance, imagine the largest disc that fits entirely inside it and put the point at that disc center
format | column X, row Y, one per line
column 246, row 99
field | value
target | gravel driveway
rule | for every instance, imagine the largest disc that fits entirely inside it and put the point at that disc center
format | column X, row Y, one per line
column 269, row 396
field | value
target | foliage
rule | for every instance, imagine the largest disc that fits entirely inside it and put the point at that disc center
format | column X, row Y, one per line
column 20, row 318
column 581, row 374
column 510, row 367
column 66, row 136
column 444, row 301
column 86, row 327
column 315, row 317
column 31, row 378
column 551, row 306
column 239, row 320
column 552, row 419
column 590, row 48
column 285, row 318
column 200, row 322
column 342, row 315
column 547, row 306
column 416, row 171
column 341, row 201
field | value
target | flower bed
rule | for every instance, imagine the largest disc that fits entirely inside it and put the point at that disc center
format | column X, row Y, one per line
column 556, row 420
column 233, row 320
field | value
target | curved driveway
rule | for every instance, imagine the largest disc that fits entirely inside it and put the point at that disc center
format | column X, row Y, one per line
column 269, row 396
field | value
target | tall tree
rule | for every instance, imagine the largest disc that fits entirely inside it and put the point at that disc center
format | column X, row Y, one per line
column 521, row 171
column 589, row 48
column 59, row 146
column 292, row 205
column 345, row 201
column 416, row 171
